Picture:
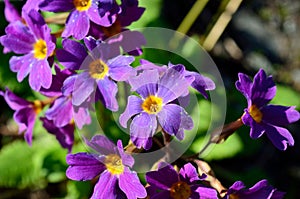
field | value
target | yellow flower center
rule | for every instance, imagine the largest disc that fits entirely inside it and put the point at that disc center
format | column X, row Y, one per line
column 98, row 69
column 152, row 104
column 40, row 49
column 82, row 5
column 255, row 113
column 37, row 106
column 113, row 164
column 180, row 190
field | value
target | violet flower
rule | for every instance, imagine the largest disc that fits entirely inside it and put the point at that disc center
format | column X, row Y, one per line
column 25, row 113
column 102, row 12
column 64, row 134
column 112, row 165
column 154, row 102
column 101, row 69
column 168, row 184
column 260, row 190
column 262, row 117
column 61, row 117
column 33, row 40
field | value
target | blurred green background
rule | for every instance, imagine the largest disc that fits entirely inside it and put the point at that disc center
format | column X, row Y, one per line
column 260, row 34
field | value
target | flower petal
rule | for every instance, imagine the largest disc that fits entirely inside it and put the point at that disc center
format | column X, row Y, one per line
column 142, row 129
column 36, row 23
column 188, row 173
column 173, row 118
column 81, row 116
column 263, row 89
column 205, row 192
column 84, row 86
column 280, row 115
column 256, row 130
column 18, row 38
column 60, row 112
column 120, row 69
column 56, row 5
column 72, row 54
column 127, row 159
column 77, row 25
column 106, row 186
column 164, row 178
column 101, row 144
column 244, row 85
column 10, row 12
column 64, row 135
column 83, row 166
column 145, row 83
column 172, row 85
column 279, row 136
column 130, row 184
column 14, row 101
column 133, row 107
column 108, row 90
column 27, row 117
column 40, row 75
column 22, row 65
column 202, row 83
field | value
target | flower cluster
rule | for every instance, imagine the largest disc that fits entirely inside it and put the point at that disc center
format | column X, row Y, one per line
column 94, row 60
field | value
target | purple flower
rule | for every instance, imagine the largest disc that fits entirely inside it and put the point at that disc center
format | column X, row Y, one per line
column 33, row 40
column 64, row 134
column 112, row 165
column 62, row 112
column 102, row 12
column 100, row 71
column 155, row 102
column 168, row 184
column 264, row 118
column 260, row 190
column 25, row 113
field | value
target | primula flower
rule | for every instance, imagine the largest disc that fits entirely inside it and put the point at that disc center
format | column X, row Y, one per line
column 168, row 184
column 33, row 40
column 64, row 134
column 155, row 102
column 61, row 117
column 25, row 113
column 102, row 12
column 101, row 68
column 263, row 117
column 112, row 165
column 260, row 190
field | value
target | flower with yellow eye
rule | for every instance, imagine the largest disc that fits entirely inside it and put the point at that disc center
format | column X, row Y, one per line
column 34, row 40
column 263, row 117
column 112, row 165
column 186, row 184
column 156, row 102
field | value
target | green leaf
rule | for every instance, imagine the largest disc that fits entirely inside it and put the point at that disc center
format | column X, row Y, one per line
column 19, row 166
column 227, row 149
